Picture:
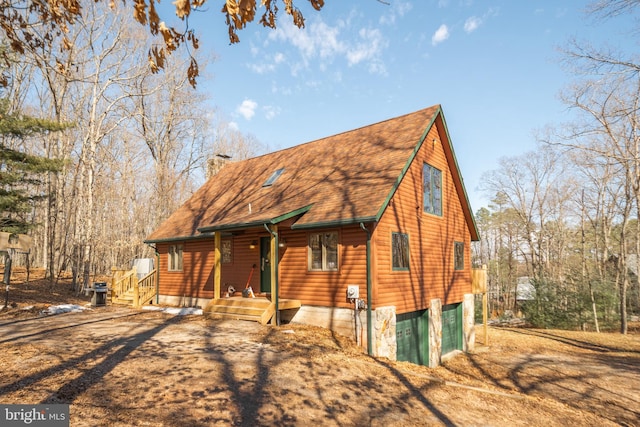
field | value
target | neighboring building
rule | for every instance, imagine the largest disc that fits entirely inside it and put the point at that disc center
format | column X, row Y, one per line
column 372, row 229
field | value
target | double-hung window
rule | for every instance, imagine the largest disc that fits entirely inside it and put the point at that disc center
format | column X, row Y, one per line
column 432, row 187
column 323, row 251
column 400, row 251
column 175, row 258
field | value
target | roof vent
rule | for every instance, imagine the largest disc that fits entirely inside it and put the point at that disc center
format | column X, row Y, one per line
column 274, row 176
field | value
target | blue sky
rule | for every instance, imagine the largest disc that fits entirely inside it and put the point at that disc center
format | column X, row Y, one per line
column 492, row 65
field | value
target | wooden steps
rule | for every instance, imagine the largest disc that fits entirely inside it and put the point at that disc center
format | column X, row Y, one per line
column 258, row 309
column 124, row 299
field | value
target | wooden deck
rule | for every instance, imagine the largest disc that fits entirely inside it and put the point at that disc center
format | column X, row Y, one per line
column 259, row 309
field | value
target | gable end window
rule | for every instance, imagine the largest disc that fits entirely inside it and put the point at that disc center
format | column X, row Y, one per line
column 432, row 187
column 175, row 258
column 458, row 256
column 400, row 251
column 323, row 251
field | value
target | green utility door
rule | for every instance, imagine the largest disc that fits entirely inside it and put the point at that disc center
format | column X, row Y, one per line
column 451, row 328
column 412, row 337
column 265, row 264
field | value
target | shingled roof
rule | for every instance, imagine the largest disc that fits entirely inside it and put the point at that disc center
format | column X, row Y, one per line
column 342, row 179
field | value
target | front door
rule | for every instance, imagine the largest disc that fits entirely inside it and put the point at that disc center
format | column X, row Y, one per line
column 265, row 264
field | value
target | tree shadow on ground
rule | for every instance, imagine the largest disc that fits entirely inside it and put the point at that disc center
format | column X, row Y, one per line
column 68, row 391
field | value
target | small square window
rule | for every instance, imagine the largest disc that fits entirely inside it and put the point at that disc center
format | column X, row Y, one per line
column 458, row 256
column 400, row 251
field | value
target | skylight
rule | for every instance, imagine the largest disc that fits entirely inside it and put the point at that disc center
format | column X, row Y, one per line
column 273, row 177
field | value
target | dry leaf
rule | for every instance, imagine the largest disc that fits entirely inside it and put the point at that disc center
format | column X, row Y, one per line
column 183, row 8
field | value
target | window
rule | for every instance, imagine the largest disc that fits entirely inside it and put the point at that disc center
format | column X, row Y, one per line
column 458, row 256
column 227, row 254
column 323, row 251
column 400, row 251
column 269, row 182
column 432, row 183
column 175, row 258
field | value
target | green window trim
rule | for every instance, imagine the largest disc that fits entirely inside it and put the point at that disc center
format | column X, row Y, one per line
column 400, row 251
column 432, row 190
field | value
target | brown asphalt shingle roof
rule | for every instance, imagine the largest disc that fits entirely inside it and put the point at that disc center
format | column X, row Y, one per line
column 339, row 179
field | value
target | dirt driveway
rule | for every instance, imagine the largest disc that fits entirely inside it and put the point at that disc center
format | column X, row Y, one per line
column 121, row 367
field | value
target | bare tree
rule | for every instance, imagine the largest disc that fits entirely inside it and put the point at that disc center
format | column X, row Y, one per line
column 609, row 129
column 37, row 25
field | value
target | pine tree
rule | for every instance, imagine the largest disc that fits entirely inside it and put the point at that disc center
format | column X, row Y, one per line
column 21, row 173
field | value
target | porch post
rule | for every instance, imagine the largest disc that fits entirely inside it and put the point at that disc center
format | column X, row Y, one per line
column 217, row 265
column 274, row 272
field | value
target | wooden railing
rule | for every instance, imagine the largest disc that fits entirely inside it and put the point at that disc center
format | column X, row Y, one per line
column 125, row 282
column 145, row 291
column 122, row 282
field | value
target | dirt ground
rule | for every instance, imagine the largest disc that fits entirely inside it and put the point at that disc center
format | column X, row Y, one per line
column 121, row 367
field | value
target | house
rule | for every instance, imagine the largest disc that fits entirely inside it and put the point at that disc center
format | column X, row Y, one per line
column 367, row 232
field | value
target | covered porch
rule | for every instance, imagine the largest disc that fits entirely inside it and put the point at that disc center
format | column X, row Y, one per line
column 263, row 304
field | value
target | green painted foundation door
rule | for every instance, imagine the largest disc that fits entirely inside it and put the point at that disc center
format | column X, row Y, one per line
column 451, row 328
column 412, row 337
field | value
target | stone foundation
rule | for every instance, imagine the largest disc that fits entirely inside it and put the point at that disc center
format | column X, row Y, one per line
column 468, row 323
column 384, row 332
column 339, row 320
column 435, row 333
column 183, row 301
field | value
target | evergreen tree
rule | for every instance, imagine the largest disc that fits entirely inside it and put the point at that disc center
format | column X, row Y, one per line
column 20, row 173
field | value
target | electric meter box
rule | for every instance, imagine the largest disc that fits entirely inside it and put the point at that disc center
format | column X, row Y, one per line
column 353, row 291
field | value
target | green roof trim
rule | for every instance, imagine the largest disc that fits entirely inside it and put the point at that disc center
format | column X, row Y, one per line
column 407, row 165
column 181, row 239
column 256, row 223
column 292, row 214
column 337, row 223
column 464, row 189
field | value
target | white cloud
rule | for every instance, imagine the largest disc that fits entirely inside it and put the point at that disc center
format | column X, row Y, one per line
column 472, row 23
column 234, row 126
column 268, row 65
column 262, row 68
column 317, row 40
column 368, row 49
column 247, row 109
column 278, row 58
column 398, row 10
column 440, row 35
column 270, row 112
column 324, row 43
